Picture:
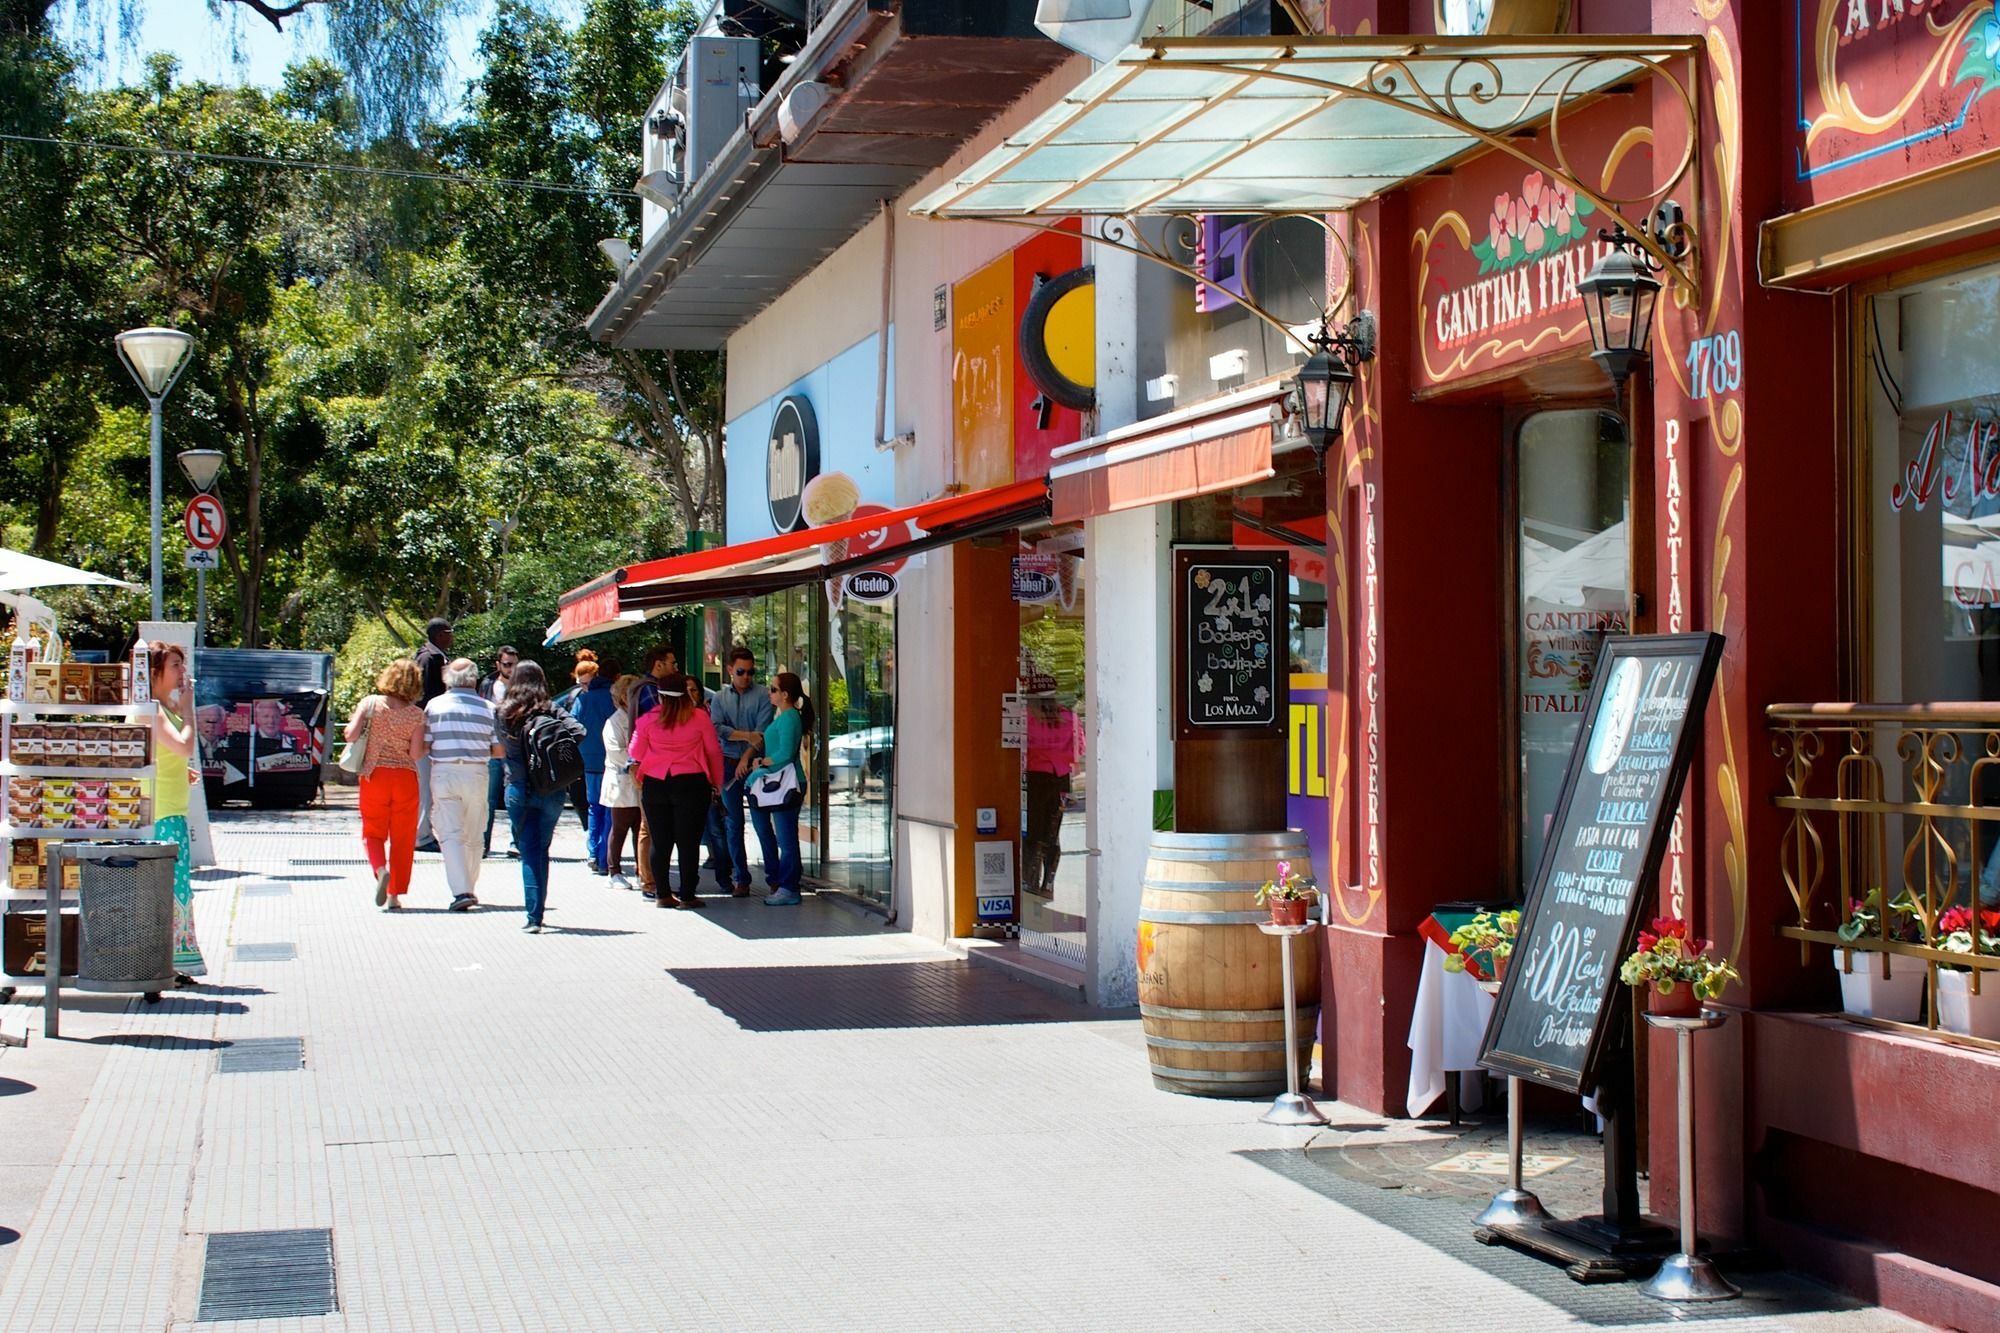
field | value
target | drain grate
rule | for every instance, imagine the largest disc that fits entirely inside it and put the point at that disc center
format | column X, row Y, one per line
column 326, row 860
column 266, row 889
column 276, row 951
column 262, row 1055
column 268, row 1275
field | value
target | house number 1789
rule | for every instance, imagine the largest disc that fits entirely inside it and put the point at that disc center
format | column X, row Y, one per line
column 1715, row 364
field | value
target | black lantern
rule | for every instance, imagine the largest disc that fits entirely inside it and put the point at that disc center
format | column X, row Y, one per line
column 1326, row 380
column 1618, row 296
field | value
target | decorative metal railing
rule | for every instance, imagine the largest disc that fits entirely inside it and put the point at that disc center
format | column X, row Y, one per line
column 1892, row 849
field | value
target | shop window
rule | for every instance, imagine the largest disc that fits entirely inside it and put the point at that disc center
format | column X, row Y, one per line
column 1055, row 779
column 1573, row 484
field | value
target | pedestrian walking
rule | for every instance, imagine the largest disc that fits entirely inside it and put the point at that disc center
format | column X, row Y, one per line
column 173, row 744
column 740, row 712
column 780, row 788
column 458, row 731
column 681, row 769
column 620, row 795
column 592, row 706
column 394, row 727
column 494, row 691
column 430, row 664
column 531, row 813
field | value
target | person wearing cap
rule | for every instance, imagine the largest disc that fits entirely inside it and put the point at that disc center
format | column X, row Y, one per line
column 1055, row 742
column 430, row 665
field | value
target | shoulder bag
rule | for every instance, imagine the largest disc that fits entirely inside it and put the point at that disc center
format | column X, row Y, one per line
column 354, row 754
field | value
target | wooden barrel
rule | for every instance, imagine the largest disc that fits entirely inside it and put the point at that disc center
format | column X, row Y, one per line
column 1211, row 985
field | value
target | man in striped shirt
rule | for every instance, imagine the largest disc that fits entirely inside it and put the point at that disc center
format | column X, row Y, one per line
column 459, row 727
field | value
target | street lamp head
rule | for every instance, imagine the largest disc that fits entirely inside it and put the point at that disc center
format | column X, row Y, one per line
column 1618, row 298
column 155, row 357
column 1326, row 381
column 201, row 465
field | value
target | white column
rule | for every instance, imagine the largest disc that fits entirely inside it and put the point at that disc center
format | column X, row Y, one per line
column 1125, row 637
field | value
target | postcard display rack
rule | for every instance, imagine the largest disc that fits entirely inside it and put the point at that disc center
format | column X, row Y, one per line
column 76, row 760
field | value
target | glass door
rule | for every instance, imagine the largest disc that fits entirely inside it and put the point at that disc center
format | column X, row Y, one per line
column 859, row 713
column 1054, row 867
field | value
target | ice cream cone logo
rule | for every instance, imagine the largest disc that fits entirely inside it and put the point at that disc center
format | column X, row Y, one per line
column 1068, row 568
column 827, row 499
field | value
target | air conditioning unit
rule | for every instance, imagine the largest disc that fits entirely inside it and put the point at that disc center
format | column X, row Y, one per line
column 698, row 109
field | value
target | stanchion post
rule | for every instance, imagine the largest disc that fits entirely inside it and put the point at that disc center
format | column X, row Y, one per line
column 1513, row 1206
column 1291, row 1107
column 1688, row 1276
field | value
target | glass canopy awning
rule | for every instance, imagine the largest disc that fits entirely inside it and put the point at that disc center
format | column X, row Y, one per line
column 1299, row 125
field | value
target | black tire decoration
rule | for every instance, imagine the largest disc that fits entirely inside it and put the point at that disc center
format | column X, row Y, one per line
column 1064, row 391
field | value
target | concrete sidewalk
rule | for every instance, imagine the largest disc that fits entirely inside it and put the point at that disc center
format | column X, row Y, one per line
column 744, row 1118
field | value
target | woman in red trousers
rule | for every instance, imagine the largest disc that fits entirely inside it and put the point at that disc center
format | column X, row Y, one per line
column 393, row 726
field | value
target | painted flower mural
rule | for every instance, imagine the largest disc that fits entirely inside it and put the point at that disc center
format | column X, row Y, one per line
column 1544, row 216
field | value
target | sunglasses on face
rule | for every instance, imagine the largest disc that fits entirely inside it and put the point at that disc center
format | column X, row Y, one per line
column 742, row 671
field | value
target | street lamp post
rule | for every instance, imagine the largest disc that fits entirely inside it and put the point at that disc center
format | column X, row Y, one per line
column 156, row 357
column 201, row 465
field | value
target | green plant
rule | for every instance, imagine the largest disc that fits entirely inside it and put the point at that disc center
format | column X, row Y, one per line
column 1668, row 957
column 1864, row 918
column 1287, row 885
column 1482, row 944
column 1955, row 927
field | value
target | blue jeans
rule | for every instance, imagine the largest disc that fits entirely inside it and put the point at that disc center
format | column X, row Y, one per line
column 735, row 797
column 779, row 826
column 496, row 796
column 533, row 820
column 597, row 833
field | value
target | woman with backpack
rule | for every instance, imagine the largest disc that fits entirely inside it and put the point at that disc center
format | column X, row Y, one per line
column 680, row 761
column 530, row 730
column 779, row 789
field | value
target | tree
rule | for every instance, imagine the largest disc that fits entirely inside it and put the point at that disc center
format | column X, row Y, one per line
column 560, row 107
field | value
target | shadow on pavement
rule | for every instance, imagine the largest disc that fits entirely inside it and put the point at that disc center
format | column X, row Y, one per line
column 8, row 1235
column 942, row 994
column 589, row 931
column 1443, row 1221
column 14, row 1087
column 813, row 918
column 157, row 1041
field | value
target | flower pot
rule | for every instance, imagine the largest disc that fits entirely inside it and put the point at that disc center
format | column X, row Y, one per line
column 1964, row 1013
column 1866, row 993
column 1500, row 961
column 1289, row 911
column 1682, row 1002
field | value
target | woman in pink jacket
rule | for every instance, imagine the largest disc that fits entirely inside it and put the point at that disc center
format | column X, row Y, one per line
column 680, row 762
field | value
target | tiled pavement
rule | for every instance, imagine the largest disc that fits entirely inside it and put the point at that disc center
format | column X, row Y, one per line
column 737, row 1119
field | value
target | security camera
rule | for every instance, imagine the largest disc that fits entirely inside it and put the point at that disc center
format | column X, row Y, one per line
column 617, row 250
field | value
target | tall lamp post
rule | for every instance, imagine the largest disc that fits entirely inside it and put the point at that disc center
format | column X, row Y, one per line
column 156, row 357
column 200, row 465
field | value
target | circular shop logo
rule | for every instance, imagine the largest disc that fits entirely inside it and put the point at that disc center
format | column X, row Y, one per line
column 871, row 585
column 791, row 459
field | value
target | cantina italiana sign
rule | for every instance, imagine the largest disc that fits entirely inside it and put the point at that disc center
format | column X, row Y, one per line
column 1504, row 245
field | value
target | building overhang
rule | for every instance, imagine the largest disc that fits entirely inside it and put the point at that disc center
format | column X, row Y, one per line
column 769, row 210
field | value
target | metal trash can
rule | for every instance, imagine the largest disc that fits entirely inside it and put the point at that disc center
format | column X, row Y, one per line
column 125, row 909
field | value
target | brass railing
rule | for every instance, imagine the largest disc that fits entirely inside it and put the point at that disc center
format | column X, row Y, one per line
column 1891, row 803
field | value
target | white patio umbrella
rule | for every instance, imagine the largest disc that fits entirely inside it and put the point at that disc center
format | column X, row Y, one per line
column 21, row 572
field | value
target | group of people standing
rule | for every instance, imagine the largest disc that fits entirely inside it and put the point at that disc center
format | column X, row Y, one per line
column 660, row 759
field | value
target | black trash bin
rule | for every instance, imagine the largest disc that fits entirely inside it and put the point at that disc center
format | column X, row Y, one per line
column 125, row 910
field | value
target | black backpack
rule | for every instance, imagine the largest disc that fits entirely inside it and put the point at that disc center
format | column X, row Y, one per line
column 552, row 744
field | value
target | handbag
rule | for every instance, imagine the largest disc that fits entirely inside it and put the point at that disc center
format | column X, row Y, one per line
column 774, row 786
column 354, row 755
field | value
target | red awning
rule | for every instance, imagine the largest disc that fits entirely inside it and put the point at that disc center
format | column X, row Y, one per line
column 634, row 593
column 1213, row 446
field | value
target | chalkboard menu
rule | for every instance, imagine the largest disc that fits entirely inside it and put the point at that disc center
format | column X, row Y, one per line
column 1603, row 857
column 1231, row 635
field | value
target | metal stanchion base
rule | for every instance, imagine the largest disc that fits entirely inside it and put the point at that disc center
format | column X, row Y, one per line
column 1292, row 1108
column 1512, row 1208
column 1689, row 1277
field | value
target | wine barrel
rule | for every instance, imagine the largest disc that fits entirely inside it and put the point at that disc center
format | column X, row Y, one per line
column 1211, row 985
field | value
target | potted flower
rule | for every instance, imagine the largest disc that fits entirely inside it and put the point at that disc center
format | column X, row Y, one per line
column 1483, row 945
column 1289, row 895
column 1959, row 1010
column 1676, row 969
column 1881, row 985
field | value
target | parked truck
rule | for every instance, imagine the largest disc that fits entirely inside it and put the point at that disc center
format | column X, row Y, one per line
column 261, row 716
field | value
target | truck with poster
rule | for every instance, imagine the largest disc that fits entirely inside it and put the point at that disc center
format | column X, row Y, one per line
column 261, row 717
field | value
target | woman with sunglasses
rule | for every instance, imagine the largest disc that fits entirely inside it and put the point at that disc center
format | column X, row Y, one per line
column 784, row 746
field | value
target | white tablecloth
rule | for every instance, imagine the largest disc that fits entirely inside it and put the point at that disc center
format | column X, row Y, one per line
column 1446, row 1028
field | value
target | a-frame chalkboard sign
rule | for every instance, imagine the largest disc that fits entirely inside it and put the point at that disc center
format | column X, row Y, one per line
column 1602, row 860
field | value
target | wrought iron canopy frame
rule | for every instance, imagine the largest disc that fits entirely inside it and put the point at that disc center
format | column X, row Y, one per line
column 1455, row 88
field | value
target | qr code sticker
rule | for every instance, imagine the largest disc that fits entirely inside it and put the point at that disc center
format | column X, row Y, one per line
column 993, row 863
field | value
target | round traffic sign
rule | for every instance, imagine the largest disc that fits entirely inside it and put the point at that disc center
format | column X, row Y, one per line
column 204, row 522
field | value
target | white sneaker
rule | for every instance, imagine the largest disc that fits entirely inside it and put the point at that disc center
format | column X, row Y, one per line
column 620, row 882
